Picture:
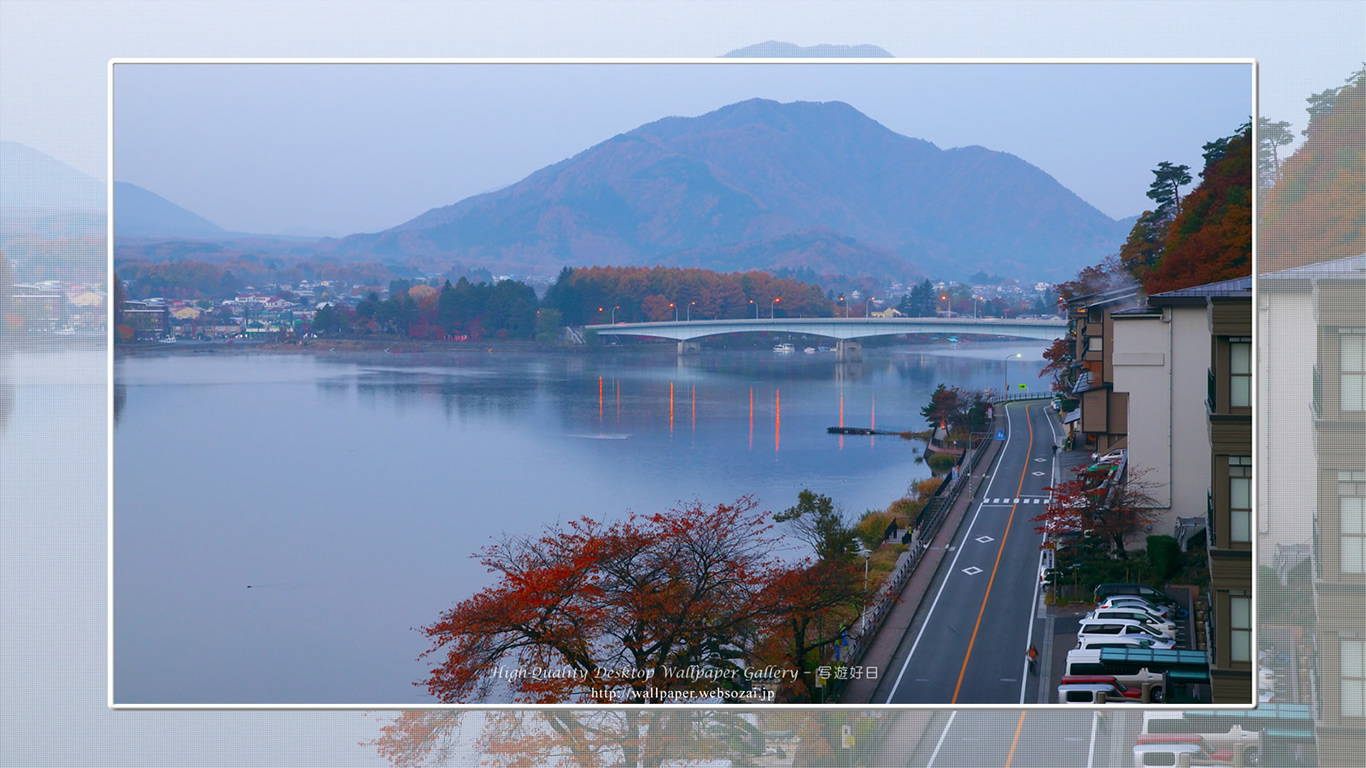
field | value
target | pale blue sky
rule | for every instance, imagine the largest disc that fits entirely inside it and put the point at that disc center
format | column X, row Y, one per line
column 53, row 81
column 337, row 149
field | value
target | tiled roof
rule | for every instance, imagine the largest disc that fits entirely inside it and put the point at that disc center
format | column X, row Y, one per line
column 1083, row 382
column 1352, row 267
column 1235, row 287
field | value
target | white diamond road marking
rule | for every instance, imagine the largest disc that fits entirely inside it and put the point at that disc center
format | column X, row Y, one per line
column 984, row 539
column 1036, row 474
column 1041, row 459
column 972, row 570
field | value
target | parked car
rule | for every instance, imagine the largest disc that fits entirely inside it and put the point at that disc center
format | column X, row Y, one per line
column 1204, row 754
column 1092, row 693
column 1130, row 602
column 1149, row 593
column 1119, row 688
column 1132, row 675
column 1113, row 457
column 1170, row 754
column 1109, row 628
column 1100, row 642
column 1166, row 628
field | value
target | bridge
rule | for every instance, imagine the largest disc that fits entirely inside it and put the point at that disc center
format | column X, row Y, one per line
column 844, row 329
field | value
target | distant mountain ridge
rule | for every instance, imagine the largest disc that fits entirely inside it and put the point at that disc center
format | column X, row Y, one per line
column 141, row 213
column 759, row 172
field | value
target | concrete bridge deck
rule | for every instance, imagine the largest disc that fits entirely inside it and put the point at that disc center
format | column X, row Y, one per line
column 841, row 328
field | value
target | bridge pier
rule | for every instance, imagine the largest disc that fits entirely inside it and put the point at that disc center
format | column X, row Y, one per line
column 849, row 350
column 689, row 347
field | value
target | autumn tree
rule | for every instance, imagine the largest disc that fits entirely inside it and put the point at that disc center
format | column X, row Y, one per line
column 1096, row 502
column 809, row 601
column 1270, row 137
column 641, row 598
column 1059, row 364
column 1316, row 211
column 1210, row 238
column 590, row 738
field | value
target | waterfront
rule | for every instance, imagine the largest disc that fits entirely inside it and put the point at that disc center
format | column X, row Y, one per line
column 350, row 495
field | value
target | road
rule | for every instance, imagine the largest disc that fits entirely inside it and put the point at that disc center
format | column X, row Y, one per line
column 1020, row 739
column 967, row 643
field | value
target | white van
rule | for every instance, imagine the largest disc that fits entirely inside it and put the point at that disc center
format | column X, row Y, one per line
column 1087, row 663
column 1104, row 628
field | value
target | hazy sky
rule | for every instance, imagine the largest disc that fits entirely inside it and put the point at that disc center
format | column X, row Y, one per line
column 333, row 149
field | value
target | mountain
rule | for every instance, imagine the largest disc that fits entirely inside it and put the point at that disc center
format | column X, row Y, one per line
column 32, row 182
column 727, row 182
column 140, row 213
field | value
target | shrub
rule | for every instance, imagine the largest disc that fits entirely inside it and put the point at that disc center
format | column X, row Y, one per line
column 1164, row 555
column 941, row 462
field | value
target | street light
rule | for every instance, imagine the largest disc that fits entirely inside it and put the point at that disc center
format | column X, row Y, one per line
column 844, row 306
column 1004, row 378
column 690, row 306
column 614, row 314
column 756, row 309
column 772, row 305
column 863, row 609
column 868, row 306
column 675, row 309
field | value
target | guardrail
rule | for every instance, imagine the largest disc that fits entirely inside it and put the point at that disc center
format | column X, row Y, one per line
column 1011, row 397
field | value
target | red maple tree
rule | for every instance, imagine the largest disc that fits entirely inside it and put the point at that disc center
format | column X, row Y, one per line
column 613, row 613
column 1096, row 502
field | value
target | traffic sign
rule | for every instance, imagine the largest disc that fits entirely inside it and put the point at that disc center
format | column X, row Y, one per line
column 1000, row 434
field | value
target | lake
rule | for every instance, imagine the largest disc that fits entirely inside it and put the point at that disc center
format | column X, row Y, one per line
column 350, row 491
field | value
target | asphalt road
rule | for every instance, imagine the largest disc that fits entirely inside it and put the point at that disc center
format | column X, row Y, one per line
column 967, row 644
column 1027, row 739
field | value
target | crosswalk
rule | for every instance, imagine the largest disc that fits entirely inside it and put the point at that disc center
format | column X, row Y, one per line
column 1020, row 500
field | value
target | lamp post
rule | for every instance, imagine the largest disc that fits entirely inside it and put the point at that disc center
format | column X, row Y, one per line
column 756, row 309
column 675, row 309
column 690, row 306
column 868, row 307
column 614, row 314
column 948, row 308
column 773, row 305
column 1005, row 379
column 863, row 609
column 844, row 306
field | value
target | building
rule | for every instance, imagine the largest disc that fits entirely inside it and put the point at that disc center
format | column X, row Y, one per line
column 1162, row 352
column 1331, row 361
column 1159, row 358
column 1103, row 423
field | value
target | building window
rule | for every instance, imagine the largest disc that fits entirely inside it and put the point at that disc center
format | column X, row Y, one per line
column 1352, row 506
column 1240, row 628
column 1352, row 363
column 1353, row 677
column 1240, row 499
column 1095, row 343
column 1240, row 373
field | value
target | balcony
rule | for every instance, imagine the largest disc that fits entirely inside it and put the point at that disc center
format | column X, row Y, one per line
column 1210, row 400
column 1209, row 517
column 1317, row 558
column 1316, row 406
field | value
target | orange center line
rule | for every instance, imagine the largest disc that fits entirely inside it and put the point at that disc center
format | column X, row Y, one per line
column 981, row 611
column 1013, row 742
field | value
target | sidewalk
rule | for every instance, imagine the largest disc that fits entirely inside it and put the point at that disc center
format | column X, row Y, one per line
column 885, row 642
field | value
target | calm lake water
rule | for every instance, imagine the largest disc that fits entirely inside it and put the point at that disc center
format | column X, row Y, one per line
column 350, row 494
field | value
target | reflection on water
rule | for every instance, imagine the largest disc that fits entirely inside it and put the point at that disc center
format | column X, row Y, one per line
column 374, row 483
